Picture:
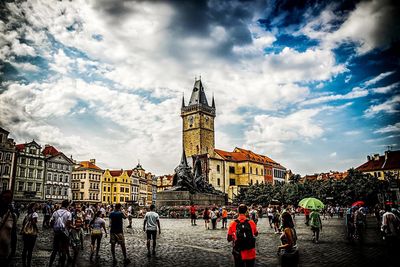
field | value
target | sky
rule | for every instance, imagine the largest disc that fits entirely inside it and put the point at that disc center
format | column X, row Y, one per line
column 312, row 84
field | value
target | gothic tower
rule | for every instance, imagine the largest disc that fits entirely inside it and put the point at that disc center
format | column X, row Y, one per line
column 198, row 122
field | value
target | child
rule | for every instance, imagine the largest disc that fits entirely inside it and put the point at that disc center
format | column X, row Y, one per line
column 76, row 239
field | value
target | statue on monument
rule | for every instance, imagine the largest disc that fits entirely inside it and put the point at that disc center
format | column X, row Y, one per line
column 185, row 180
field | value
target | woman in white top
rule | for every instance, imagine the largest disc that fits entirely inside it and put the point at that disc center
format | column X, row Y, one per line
column 97, row 224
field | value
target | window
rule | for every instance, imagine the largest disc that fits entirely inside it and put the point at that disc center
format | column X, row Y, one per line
column 231, row 169
column 262, row 172
column 257, row 171
column 243, row 169
column 218, row 168
column 33, row 151
column 20, row 186
column 49, row 176
column 115, row 189
column 104, row 198
column 31, row 162
column 48, row 190
column 66, row 178
column 82, row 185
column 55, row 177
column 23, row 161
column 218, row 182
column 251, row 170
column 6, row 170
column 30, row 173
column 61, row 179
column 122, row 189
column 39, row 174
column 232, row 182
column 115, row 199
column 30, row 186
column 40, row 163
column 22, row 172
column 1, row 155
column 38, row 187
column 121, row 199
column 109, row 188
column 81, row 195
column 104, row 189
column 8, row 156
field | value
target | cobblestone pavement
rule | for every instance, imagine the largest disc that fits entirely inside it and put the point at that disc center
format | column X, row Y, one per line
column 181, row 244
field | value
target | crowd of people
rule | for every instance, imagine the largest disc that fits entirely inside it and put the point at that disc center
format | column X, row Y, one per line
column 71, row 222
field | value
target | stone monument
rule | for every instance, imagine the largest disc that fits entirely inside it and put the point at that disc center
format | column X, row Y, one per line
column 189, row 187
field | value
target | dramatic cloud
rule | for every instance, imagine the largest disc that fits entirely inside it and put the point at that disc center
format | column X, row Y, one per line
column 390, row 129
column 389, row 106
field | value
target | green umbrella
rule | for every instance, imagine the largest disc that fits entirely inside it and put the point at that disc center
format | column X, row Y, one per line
column 311, row 203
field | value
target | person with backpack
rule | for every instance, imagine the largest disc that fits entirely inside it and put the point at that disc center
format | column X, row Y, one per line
column 242, row 233
column 214, row 217
column 359, row 222
column 61, row 222
column 224, row 218
column 29, row 233
column 316, row 225
column 76, row 239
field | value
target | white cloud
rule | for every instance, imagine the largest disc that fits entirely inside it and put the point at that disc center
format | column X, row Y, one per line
column 394, row 128
column 25, row 67
column 333, row 155
column 385, row 89
column 372, row 24
column 356, row 92
column 352, row 133
column 389, row 106
column 378, row 78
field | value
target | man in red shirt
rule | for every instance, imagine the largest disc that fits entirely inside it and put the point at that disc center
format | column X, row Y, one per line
column 244, row 251
column 193, row 216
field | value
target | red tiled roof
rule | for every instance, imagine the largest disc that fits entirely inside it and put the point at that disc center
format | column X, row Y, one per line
column 115, row 173
column 20, row 147
column 129, row 172
column 88, row 165
column 389, row 161
column 50, row 150
column 240, row 154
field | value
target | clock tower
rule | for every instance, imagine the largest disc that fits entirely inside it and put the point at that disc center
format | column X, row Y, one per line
column 198, row 123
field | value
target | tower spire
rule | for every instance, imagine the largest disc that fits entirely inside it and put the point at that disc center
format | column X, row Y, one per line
column 183, row 100
column 183, row 159
column 213, row 101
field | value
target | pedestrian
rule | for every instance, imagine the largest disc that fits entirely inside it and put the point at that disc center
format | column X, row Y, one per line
column 307, row 216
column 350, row 223
column 390, row 227
column 46, row 215
column 130, row 216
column 359, row 223
column 97, row 225
column 214, row 217
column 150, row 224
column 224, row 218
column 88, row 218
column 242, row 233
column 253, row 214
column 206, row 217
column 76, row 239
column 316, row 225
column 276, row 221
column 270, row 214
column 288, row 249
column 29, row 231
column 61, row 222
column 116, row 232
column 193, row 215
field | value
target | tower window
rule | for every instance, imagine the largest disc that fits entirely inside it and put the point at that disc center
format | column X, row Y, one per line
column 218, row 168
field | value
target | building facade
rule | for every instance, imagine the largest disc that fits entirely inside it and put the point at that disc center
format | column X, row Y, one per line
column 226, row 171
column 7, row 159
column 58, row 171
column 29, row 175
column 377, row 165
column 116, row 186
column 86, row 182
column 135, row 187
column 164, row 182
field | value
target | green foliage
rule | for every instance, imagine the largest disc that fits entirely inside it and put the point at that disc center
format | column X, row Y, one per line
column 356, row 186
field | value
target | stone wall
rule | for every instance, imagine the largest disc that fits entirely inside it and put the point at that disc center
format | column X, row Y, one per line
column 184, row 198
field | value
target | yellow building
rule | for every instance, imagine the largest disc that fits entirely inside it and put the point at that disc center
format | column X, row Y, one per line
column 86, row 182
column 226, row 171
column 116, row 186
column 377, row 165
column 164, row 182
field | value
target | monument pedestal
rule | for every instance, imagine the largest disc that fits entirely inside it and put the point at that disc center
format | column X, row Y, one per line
column 184, row 198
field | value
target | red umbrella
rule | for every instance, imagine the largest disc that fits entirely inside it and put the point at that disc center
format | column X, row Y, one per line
column 388, row 203
column 358, row 203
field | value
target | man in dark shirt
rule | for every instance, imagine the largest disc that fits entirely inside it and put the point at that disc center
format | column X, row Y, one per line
column 116, row 232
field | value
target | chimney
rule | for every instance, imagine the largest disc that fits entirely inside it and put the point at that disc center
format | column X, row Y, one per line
column 368, row 157
column 387, row 154
column 93, row 161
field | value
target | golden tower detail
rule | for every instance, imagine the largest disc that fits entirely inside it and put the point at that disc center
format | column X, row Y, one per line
column 198, row 123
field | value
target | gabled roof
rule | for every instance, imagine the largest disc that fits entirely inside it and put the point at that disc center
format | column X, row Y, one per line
column 115, row 173
column 88, row 165
column 240, row 155
column 198, row 94
column 50, row 150
column 21, row 147
column 4, row 130
column 389, row 161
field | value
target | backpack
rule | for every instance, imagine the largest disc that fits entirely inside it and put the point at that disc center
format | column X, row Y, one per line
column 28, row 228
column 244, row 236
column 59, row 225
